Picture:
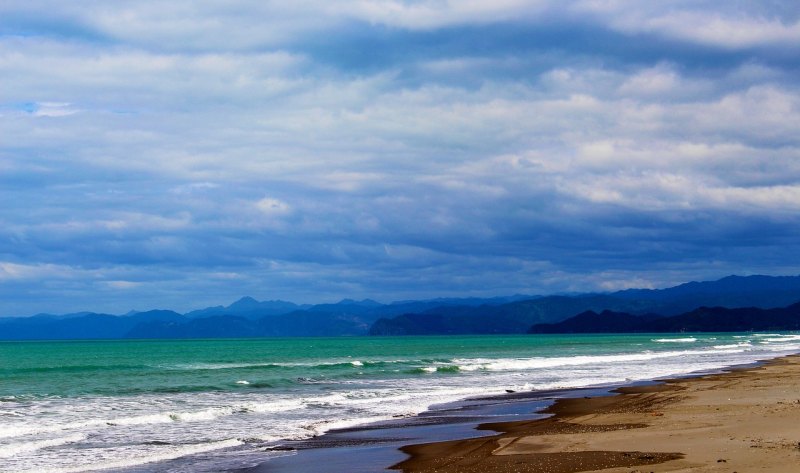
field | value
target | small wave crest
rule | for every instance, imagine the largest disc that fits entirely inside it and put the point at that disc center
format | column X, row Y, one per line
column 780, row 339
column 675, row 340
column 734, row 345
column 522, row 364
column 13, row 431
column 436, row 369
column 159, row 453
column 12, row 449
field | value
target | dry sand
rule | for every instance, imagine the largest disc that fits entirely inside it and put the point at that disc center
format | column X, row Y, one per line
column 745, row 420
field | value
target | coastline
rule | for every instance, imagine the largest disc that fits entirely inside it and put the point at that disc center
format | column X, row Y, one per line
column 522, row 431
column 741, row 419
column 373, row 447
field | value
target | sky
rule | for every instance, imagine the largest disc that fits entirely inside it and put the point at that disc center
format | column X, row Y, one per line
column 186, row 153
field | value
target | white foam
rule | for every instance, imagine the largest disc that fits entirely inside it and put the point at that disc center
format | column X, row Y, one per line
column 273, row 406
column 160, row 418
column 356, row 363
column 780, row 339
column 12, row 449
column 204, row 415
column 676, row 340
column 217, row 366
column 127, row 461
column 12, row 431
column 319, row 428
column 734, row 345
column 524, row 364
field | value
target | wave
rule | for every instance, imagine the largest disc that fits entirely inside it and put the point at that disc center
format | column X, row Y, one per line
column 734, row 345
column 162, row 453
column 324, row 365
column 779, row 338
column 435, row 369
column 675, row 340
column 220, row 366
column 522, row 364
column 318, row 428
column 11, row 431
column 13, row 449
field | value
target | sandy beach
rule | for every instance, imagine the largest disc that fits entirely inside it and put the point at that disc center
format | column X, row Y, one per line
column 741, row 421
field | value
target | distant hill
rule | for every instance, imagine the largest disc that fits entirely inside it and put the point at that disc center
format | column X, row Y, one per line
column 514, row 317
column 294, row 324
column 88, row 326
column 517, row 317
column 247, row 307
column 703, row 319
column 733, row 291
column 248, row 317
column 590, row 321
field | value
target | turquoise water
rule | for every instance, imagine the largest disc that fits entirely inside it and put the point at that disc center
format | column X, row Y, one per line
column 85, row 406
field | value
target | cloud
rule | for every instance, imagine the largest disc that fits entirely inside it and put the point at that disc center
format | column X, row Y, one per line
column 733, row 25
column 13, row 271
column 311, row 151
column 428, row 15
column 122, row 284
column 53, row 109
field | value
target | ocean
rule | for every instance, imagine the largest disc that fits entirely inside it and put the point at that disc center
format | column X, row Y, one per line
column 216, row 405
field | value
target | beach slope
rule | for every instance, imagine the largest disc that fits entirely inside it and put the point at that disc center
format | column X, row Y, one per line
column 738, row 421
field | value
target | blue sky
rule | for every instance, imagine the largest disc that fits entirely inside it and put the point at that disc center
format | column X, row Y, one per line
column 183, row 154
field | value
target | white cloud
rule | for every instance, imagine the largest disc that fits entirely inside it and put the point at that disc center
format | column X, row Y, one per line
column 727, row 32
column 434, row 14
column 730, row 25
column 54, row 109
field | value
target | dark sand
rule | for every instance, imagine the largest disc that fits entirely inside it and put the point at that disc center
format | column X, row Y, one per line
column 375, row 447
column 743, row 420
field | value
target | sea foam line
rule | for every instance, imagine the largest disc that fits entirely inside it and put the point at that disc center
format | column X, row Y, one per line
column 509, row 364
column 13, row 449
column 10, row 431
column 170, row 453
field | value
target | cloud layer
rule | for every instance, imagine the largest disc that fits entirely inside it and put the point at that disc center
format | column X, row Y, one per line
column 183, row 154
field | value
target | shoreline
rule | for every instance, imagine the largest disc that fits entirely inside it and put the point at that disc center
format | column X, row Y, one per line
column 386, row 446
column 739, row 418
column 373, row 447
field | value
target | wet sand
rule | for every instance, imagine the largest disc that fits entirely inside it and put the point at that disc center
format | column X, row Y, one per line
column 375, row 447
column 743, row 420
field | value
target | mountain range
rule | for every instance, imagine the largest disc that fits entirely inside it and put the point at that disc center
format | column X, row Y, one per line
column 702, row 319
column 630, row 309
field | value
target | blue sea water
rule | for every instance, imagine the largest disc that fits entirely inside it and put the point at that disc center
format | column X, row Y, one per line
column 216, row 404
